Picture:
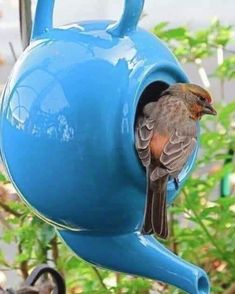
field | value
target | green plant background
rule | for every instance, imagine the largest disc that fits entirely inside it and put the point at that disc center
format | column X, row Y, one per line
column 202, row 222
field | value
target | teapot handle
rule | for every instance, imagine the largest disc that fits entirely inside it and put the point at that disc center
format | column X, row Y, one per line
column 43, row 21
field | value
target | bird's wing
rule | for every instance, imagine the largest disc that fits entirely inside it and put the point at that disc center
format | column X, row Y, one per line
column 175, row 154
column 155, row 220
column 143, row 136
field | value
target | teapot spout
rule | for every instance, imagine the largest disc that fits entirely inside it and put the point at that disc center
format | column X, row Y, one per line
column 140, row 255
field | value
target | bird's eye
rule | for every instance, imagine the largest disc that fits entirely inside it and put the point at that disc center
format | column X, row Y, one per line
column 201, row 98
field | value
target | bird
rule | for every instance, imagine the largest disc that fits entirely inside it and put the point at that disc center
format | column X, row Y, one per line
column 165, row 137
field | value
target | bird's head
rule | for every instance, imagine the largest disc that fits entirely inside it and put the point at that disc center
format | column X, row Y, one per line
column 197, row 100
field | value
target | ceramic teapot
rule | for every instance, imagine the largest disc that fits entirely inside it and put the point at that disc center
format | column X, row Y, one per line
column 67, row 139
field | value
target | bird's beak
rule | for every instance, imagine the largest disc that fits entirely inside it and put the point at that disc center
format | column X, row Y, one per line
column 208, row 109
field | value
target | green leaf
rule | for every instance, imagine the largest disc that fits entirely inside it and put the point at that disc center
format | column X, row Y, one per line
column 226, row 69
column 225, row 113
column 2, row 177
column 160, row 28
column 177, row 34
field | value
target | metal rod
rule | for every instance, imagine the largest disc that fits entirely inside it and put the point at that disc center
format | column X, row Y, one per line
column 25, row 15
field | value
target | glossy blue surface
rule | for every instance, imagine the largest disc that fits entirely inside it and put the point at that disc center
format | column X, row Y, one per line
column 67, row 139
column 139, row 255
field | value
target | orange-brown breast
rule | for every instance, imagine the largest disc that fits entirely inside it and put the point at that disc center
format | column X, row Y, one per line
column 157, row 144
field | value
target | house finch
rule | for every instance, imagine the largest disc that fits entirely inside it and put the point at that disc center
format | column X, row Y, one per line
column 165, row 137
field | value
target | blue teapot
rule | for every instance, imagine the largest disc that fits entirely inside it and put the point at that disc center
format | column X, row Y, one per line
column 67, row 139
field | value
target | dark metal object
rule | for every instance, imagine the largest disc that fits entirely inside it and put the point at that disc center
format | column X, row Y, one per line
column 45, row 269
column 37, row 273
column 25, row 21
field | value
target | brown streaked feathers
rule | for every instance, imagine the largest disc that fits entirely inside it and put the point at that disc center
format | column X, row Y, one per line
column 165, row 137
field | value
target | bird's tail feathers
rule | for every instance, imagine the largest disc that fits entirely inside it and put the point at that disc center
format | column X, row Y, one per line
column 159, row 208
column 147, row 227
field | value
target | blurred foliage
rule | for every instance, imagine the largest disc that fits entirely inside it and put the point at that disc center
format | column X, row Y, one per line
column 227, row 68
column 202, row 223
column 190, row 45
